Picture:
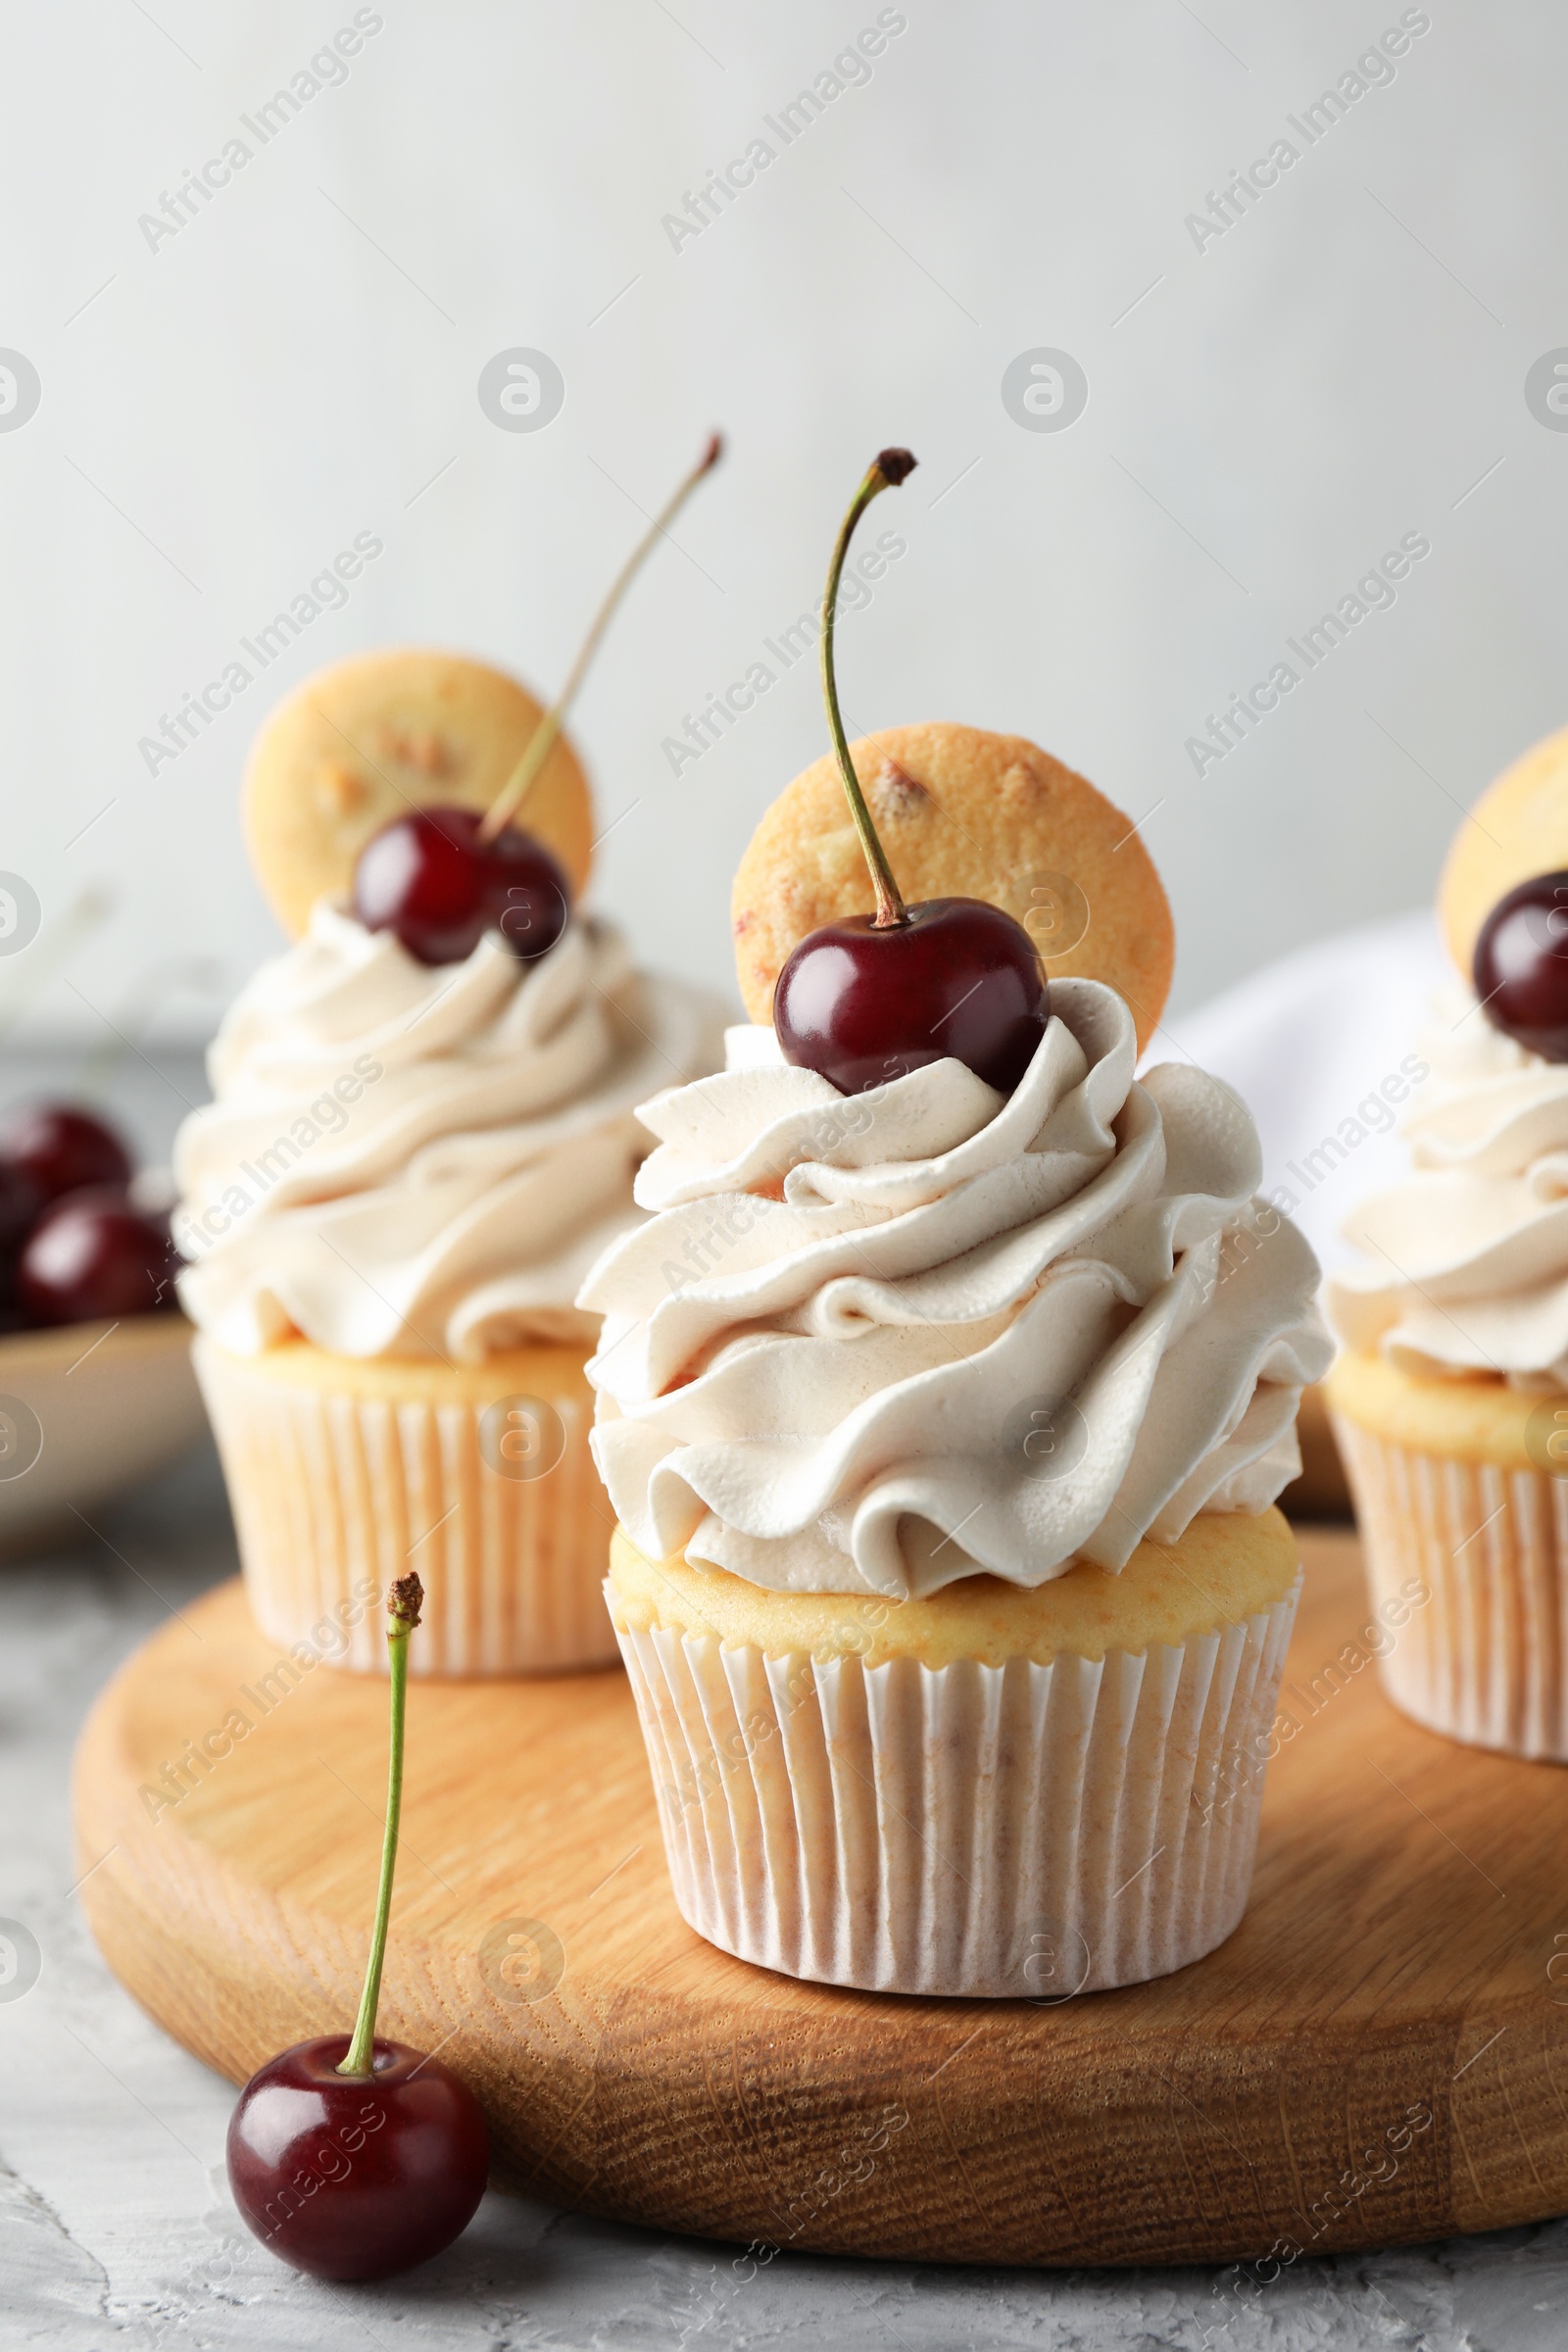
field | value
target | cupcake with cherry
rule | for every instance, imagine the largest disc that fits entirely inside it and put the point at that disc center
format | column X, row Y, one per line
column 422, row 1134
column 944, row 1399
column 1451, row 1395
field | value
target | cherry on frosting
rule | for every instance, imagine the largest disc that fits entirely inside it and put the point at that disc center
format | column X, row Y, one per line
column 526, row 894
column 433, row 879
column 877, row 995
column 957, row 978
column 441, row 877
column 1521, row 966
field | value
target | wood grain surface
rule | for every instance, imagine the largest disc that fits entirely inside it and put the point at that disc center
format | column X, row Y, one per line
column 1379, row 2055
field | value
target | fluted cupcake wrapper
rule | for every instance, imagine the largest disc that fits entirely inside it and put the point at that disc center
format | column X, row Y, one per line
column 335, row 1494
column 1484, row 1658
column 1017, row 1831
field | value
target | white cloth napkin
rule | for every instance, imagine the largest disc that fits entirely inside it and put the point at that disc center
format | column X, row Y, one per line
column 1307, row 1042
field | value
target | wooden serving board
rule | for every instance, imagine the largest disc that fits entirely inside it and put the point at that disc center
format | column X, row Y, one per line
column 1380, row 2053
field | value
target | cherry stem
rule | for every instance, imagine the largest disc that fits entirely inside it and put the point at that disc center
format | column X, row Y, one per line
column 541, row 743
column 404, row 1602
column 887, row 468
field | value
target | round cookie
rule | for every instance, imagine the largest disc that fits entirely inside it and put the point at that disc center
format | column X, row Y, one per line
column 1519, row 827
column 361, row 742
column 962, row 814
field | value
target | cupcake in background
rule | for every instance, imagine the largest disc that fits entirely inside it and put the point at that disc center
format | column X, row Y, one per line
column 389, row 1206
column 943, row 1402
column 1450, row 1397
column 424, row 1131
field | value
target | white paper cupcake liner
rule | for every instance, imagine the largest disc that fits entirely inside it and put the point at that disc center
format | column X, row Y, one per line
column 1485, row 1657
column 336, row 1494
column 1017, row 1831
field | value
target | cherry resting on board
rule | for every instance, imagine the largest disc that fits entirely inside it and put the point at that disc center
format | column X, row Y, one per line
column 351, row 2157
column 877, row 995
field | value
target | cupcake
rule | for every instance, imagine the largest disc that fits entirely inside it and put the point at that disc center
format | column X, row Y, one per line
column 942, row 1410
column 414, row 1152
column 1451, row 1396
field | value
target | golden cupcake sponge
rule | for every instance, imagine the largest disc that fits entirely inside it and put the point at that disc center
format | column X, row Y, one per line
column 962, row 814
column 1227, row 1567
column 367, row 739
column 1518, row 828
column 1473, row 1418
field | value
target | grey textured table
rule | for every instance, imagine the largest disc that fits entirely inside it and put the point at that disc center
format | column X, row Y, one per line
column 115, row 2226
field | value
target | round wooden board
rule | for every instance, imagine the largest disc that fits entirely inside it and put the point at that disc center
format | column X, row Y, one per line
column 1397, row 1963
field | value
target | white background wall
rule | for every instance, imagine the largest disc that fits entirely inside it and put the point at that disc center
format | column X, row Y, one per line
column 1265, row 416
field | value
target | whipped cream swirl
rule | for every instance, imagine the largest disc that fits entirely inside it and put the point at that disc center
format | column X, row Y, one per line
column 882, row 1341
column 408, row 1160
column 1466, row 1266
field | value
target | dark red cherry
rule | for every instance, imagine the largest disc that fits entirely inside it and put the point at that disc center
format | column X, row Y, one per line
column 424, row 877
column 93, row 1254
column 20, row 1204
column 356, row 2177
column 1521, row 966
column 863, row 1003
column 428, row 877
column 526, row 893
column 58, row 1148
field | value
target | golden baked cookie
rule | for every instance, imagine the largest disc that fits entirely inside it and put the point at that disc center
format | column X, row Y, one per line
column 962, row 814
column 361, row 741
column 1518, row 827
